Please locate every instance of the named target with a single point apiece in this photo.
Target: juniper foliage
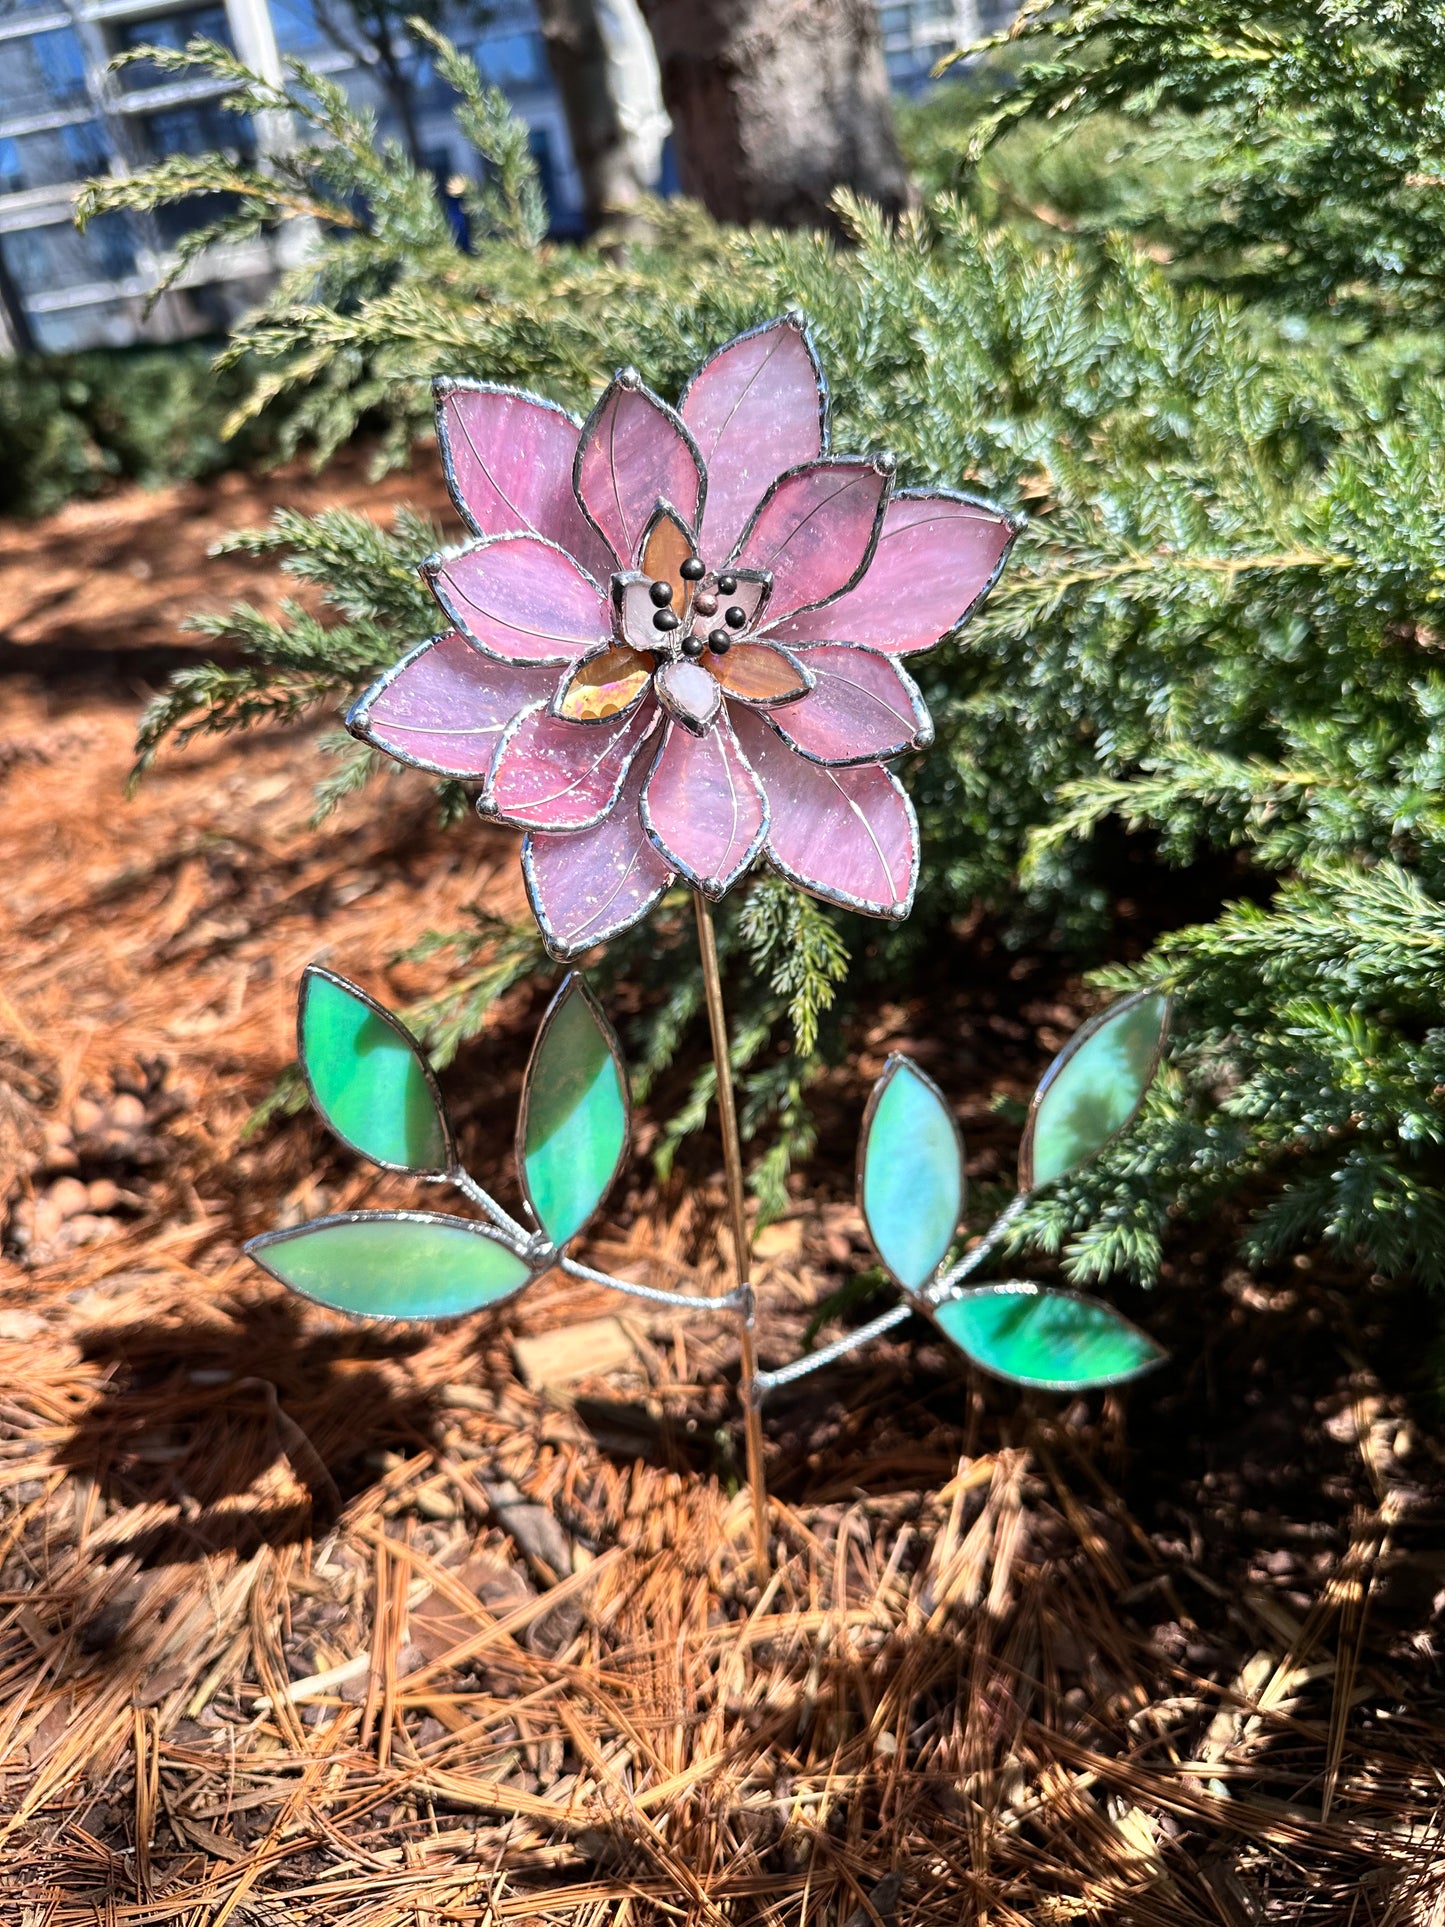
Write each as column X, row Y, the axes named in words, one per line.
column 1222, row 628
column 1314, row 132
column 75, row 425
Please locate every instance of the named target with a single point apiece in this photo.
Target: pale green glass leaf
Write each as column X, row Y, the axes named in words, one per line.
column 572, row 1131
column 1093, row 1088
column 1058, row 1341
column 368, row 1078
column 910, row 1172
column 393, row 1264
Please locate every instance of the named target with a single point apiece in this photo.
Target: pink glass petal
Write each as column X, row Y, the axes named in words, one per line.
column 634, row 453
column 444, row 706
column 847, row 835
column 755, row 408
column 555, row 775
column 521, row 600
column 703, row 807
column 936, row 558
column 814, row 530
column 862, row 708
column 508, row 459
column 586, row 885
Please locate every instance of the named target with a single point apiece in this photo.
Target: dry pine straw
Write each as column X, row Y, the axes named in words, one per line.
column 306, row 1624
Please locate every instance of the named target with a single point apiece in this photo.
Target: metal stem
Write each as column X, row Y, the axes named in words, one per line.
column 971, row 1260
column 733, row 1162
column 484, row 1201
column 686, row 1301
column 815, row 1361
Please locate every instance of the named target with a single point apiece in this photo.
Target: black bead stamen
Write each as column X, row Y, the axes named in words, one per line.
column 661, row 593
column 664, row 620
column 736, row 618
column 693, row 646
column 692, row 570
column 727, row 584
column 719, row 642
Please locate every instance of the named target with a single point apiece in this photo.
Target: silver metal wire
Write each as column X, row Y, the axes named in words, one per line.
column 939, row 1288
column 484, row 1201
column 815, row 1361
column 684, row 1301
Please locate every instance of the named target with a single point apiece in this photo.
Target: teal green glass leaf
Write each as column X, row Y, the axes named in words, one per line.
column 368, row 1078
column 393, row 1264
column 1058, row 1341
column 572, row 1131
column 910, row 1172
column 1093, row 1088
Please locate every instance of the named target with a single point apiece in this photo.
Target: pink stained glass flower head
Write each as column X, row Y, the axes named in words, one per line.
column 674, row 645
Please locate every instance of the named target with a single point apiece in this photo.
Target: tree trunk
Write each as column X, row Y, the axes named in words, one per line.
column 776, row 104
column 606, row 74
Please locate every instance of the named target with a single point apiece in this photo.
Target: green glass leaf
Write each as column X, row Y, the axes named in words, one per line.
column 368, row 1078
column 910, row 1172
column 1058, row 1341
column 572, row 1131
column 393, row 1264
column 1093, row 1088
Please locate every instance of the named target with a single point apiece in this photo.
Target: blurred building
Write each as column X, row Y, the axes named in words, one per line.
column 64, row 116
column 918, row 33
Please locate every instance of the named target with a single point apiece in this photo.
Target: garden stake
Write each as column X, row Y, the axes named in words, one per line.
column 674, row 653
column 733, row 1161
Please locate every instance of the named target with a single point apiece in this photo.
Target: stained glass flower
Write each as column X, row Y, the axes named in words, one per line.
column 675, row 643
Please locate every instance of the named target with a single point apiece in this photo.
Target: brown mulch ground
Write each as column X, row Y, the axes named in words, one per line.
column 302, row 1623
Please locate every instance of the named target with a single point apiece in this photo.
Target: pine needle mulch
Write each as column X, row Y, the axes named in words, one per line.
column 303, row 1624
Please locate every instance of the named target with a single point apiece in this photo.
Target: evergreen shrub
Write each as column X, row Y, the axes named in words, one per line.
column 1222, row 630
column 1295, row 149
column 75, row 425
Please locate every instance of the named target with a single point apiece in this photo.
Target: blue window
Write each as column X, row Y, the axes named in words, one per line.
column 510, row 59
column 17, row 10
column 87, row 151
column 45, row 260
column 111, row 244
column 60, row 155
column 198, row 127
column 40, row 73
column 564, row 218
column 62, row 65
column 297, row 29
column 540, row 149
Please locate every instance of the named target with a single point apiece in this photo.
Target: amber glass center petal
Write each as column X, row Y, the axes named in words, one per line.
column 665, row 548
column 756, row 673
column 605, row 684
